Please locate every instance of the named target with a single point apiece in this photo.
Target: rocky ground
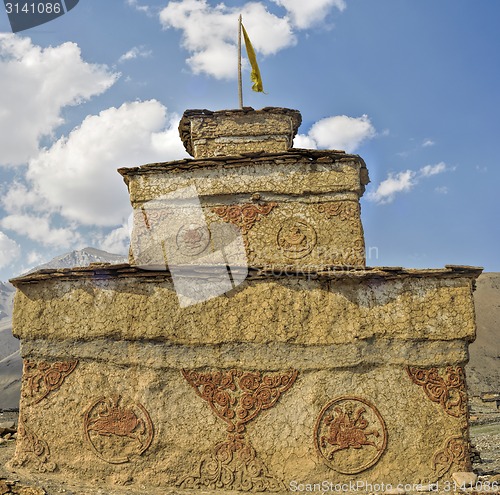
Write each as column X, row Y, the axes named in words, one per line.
column 485, row 438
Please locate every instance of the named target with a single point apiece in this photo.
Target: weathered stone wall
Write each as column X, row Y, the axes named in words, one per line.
column 300, row 208
column 257, row 389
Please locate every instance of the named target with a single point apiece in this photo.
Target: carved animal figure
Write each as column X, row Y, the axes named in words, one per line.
column 118, row 421
column 346, row 431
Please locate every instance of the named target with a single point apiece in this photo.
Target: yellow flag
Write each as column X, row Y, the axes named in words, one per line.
column 255, row 75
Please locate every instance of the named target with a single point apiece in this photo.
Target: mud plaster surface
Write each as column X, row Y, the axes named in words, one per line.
column 344, row 337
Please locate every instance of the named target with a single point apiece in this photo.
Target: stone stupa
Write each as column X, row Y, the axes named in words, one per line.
column 295, row 365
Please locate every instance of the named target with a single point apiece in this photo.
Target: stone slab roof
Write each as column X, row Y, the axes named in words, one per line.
column 106, row 270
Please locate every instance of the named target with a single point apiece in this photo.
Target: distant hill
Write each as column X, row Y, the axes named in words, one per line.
column 83, row 257
column 8, row 344
column 11, row 369
column 10, row 360
column 483, row 370
column 6, row 296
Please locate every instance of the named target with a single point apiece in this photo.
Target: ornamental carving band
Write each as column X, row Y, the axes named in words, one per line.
column 32, row 450
column 233, row 465
column 41, row 378
column 454, row 453
column 345, row 210
column 244, row 216
column 236, row 397
column 445, row 387
column 152, row 217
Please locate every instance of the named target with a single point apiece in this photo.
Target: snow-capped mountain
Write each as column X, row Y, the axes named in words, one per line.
column 82, row 257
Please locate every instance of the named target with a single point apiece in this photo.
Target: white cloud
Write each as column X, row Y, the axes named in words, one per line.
column 213, row 60
column 429, row 170
column 135, row 52
column 18, row 198
column 340, row 132
column 441, row 190
column 39, row 229
column 304, row 141
column 117, row 241
column 36, row 84
column 388, row 188
column 427, row 143
column 77, row 175
column 9, row 250
column 141, row 8
column 406, row 181
column 304, row 14
column 35, row 258
column 210, row 33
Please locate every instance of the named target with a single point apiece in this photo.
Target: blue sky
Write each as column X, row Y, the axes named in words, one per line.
column 411, row 86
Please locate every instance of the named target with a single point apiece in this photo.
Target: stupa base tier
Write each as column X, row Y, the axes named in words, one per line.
column 345, row 377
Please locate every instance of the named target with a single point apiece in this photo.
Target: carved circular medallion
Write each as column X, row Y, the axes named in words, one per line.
column 296, row 238
column 350, row 434
column 192, row 239
column 117, row 432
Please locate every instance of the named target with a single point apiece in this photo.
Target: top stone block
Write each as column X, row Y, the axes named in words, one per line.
column 207, row 134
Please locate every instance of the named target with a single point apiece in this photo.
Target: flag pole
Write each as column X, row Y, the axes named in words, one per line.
column 240, row 90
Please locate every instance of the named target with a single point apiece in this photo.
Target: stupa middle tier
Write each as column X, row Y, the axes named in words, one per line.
column 297, row 208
